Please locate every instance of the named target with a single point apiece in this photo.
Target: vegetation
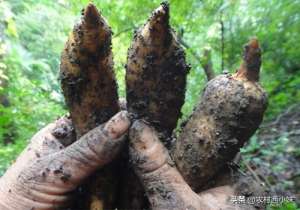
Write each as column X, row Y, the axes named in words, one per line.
column 33, row 33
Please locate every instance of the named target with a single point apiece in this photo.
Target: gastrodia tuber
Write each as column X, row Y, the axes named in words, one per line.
column 86, row 72
column 230, row 111
column 156, row 73
column 90, row 90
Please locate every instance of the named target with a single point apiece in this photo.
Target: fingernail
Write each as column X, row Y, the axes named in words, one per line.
column 136, row 129
column 63, row 128
column 117, row 125
column 141, row 135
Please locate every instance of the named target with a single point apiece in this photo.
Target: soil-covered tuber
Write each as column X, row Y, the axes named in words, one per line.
column 156, row 73
column 230, row 111
column 90, row 90
column 86, row 72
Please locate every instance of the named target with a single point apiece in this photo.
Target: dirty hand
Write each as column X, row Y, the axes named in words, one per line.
column 163, row 184
column 48, row 169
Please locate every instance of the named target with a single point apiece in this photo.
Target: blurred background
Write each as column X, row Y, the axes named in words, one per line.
column 33, row 33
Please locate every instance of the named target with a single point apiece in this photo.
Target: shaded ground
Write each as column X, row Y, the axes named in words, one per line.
column 273, row 155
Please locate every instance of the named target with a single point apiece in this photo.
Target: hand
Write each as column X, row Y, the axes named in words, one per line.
column 164, row 186
column 48, row 169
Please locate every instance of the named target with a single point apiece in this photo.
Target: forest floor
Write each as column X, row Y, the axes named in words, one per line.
column 273, row 154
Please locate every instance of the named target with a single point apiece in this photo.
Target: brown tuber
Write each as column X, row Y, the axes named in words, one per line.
column 86, row 72
column 230, row 111
column 90, row 90
column 156, row 73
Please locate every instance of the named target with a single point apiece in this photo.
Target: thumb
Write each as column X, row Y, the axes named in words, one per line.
column 93, row 150
column 49, row 178
column 163, row 184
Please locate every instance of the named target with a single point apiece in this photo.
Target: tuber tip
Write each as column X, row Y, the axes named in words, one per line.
column 161, row 14
column 91, row 14
column 165, row 6
column 253, row 43
column 158, row 27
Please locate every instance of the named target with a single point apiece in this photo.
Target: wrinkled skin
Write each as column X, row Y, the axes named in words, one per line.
column 47, row 171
